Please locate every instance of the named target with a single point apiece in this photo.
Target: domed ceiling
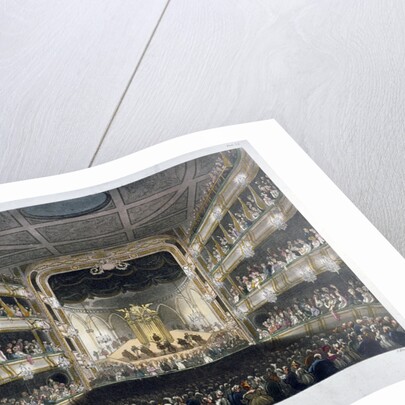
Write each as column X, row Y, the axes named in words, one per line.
column 154, row 205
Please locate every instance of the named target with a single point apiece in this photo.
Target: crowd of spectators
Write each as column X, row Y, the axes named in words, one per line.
column 243, row 216
column 24, row 349
column 14, row 310
column 219, row 345
column 322, row 300
column 45, row 394
column 276, row 259
column 267, row 372
column 221, row 169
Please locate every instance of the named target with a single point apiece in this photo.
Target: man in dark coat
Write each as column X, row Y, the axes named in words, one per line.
column 397, row 336
column 291, row 379
column 369, row 347
column 273, row 387
column 145, row 350
column 322, row 368
column 128, row 355
column 236, row 395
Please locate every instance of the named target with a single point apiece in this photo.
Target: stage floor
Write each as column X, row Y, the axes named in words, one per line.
column 119, row 358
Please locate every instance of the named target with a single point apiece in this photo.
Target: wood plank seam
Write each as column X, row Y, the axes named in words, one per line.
column 138, row 64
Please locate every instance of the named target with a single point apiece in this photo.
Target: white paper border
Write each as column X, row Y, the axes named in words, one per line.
column 349, row 233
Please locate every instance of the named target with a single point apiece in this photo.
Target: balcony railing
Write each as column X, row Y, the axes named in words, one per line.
column 11, row 370
column 11, row 324
column 314, row 263
column 328, row 321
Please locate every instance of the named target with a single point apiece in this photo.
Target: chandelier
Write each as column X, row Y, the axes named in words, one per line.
column 307, row 274
column 188, row 272
column 278, row 220
column 208, row 297
column 209, row 294
column 51, row 301
column 329, row 264
column 41, row 324
column 108, row 265
column 241, row 179
column 246, row 248
column 26, row 372
column 217, row 281
column 63, row 363
column 270, row 295
column 103, row 339
column 196, row 317
column 217, row 213
column 195, row 250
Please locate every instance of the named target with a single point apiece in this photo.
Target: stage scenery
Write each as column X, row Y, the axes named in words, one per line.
column 200, row 284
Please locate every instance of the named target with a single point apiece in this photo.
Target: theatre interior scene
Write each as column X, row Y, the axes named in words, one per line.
column 199, row 284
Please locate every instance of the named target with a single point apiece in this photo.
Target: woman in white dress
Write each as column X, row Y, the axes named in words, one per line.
column 304, row 249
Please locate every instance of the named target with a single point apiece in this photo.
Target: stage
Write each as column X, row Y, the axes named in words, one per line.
column 158, row 354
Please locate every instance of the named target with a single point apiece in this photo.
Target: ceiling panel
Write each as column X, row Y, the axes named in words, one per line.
column 147, row 207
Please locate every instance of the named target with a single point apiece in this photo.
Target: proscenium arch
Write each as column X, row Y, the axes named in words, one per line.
column 37, row 276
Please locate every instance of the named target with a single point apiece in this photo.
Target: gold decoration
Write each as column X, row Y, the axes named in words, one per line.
column 235, row 222
column 145, row 323
column 226, row 234
column 248, row 214
column 258, row 200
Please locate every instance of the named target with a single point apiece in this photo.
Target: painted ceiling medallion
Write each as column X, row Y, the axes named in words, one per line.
column 69, row 208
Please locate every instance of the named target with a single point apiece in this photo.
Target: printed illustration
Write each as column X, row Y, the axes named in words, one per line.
column 199, row 284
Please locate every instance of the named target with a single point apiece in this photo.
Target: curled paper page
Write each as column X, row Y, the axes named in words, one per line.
column 224, row 267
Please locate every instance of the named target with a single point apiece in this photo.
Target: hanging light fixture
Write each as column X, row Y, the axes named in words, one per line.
column 241, row 179
column 196, row 317
column 188, row 272
column 270, row 295
column 329, row 264
column 209, row 297
column 217, row 213
column 195, row 250
column 63, row 362
column 239, row 313
column 278, row 219
column 307, row 274
column 246, row 248
column 209, row 294
column 51, row 301
column 25, row 372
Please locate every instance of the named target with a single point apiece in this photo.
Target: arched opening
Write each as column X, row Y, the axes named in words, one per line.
column 170, row 317
column 59, row 377
column 121, row 328
column 86, row 334
column 259, row 319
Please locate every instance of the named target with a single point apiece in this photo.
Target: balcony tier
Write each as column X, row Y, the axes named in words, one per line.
column 10, row 370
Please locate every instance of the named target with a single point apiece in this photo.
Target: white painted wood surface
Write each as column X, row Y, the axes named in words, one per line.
column 330, row 72
column 64, row 66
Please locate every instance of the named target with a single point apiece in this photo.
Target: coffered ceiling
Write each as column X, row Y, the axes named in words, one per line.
column 151, row 206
